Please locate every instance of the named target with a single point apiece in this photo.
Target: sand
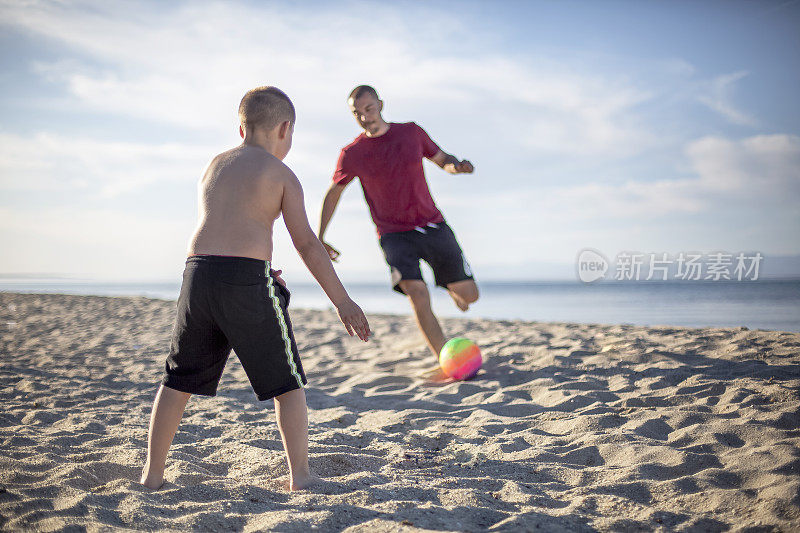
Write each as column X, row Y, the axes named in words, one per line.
column 568, row 427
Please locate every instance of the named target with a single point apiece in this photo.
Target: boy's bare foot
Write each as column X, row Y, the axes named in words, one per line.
column 152, row 484
column 303, row 482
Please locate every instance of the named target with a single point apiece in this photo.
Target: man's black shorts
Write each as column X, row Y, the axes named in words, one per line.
column 232, row 302
column 436, row 244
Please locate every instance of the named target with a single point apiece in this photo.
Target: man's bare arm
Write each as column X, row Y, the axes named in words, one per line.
column 328, row 207
column 316, row 258
column 451, row 164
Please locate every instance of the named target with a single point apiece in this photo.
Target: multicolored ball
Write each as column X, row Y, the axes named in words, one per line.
column 460, row 358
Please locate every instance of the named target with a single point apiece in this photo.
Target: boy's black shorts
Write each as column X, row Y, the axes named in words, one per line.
column 434, row 243
column 232, row 302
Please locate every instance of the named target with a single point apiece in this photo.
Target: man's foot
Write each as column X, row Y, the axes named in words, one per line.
column 461, row 304
column 303, row 482
column 435, row 373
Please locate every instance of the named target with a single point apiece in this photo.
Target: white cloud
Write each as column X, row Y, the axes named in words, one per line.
column 678, row 66
column 743, row 194
column 757, row 168
column 186, row 66
column 762, row 169
column 716, row 95
column 106, row 168
column 174, row 65
column 92, row 242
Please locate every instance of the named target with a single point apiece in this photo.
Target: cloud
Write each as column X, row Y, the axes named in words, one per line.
column 108, row 243
column 184, row 66
column 678, row 67
column 761, row 167
column 49, row 162
column 96, row 242
column 753, row 171
column 716, row 95
column 736, row 194
column 174, row 65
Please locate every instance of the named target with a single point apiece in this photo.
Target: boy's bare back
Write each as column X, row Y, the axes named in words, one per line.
column 240, row 196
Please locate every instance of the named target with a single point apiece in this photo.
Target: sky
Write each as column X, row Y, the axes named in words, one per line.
column 652, row 126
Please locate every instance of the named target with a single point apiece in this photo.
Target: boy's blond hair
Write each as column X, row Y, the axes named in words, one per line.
column 265, row 107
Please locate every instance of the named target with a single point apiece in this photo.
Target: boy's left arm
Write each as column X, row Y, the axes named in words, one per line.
column 277, row 274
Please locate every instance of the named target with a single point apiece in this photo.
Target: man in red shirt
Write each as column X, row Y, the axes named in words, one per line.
column 387, row 159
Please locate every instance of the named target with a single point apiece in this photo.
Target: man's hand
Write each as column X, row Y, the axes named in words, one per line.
column 459, row 167
column 353, row 318
column 451, row 164
column 332, row 252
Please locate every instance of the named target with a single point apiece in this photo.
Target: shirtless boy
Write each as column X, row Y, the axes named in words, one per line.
column 387, row 159
column 231, row 298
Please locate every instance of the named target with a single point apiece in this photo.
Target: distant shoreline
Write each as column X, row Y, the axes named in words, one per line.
column 762, row 305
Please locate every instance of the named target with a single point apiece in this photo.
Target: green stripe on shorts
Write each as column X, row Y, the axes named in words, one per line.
column 284, row 330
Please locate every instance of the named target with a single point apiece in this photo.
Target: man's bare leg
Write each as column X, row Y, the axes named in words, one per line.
column 166, row 415
column 463, row 292
column 292, row 415
column 417, row 292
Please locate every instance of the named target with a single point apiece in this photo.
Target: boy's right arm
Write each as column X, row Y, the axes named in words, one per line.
column 316, row 258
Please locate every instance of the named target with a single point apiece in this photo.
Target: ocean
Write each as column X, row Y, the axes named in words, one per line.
column 762, row 304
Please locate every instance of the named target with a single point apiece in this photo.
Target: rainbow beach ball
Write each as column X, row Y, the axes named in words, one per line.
column 460, row 358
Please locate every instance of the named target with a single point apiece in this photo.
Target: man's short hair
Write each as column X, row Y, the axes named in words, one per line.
column 265, row 107
column 361, row 90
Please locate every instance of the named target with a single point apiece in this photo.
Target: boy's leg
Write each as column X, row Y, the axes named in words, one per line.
column 417, row 292
column 167, row 412
column 292, row 415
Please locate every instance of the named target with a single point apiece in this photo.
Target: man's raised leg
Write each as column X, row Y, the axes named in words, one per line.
column 417, row 292
column 164, row 419
column 463, row 292
column 292, row 415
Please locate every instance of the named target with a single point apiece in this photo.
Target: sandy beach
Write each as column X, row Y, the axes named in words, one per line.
column 567, row 427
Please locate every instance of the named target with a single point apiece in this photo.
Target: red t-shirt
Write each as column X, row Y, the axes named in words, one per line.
column 390, row 170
